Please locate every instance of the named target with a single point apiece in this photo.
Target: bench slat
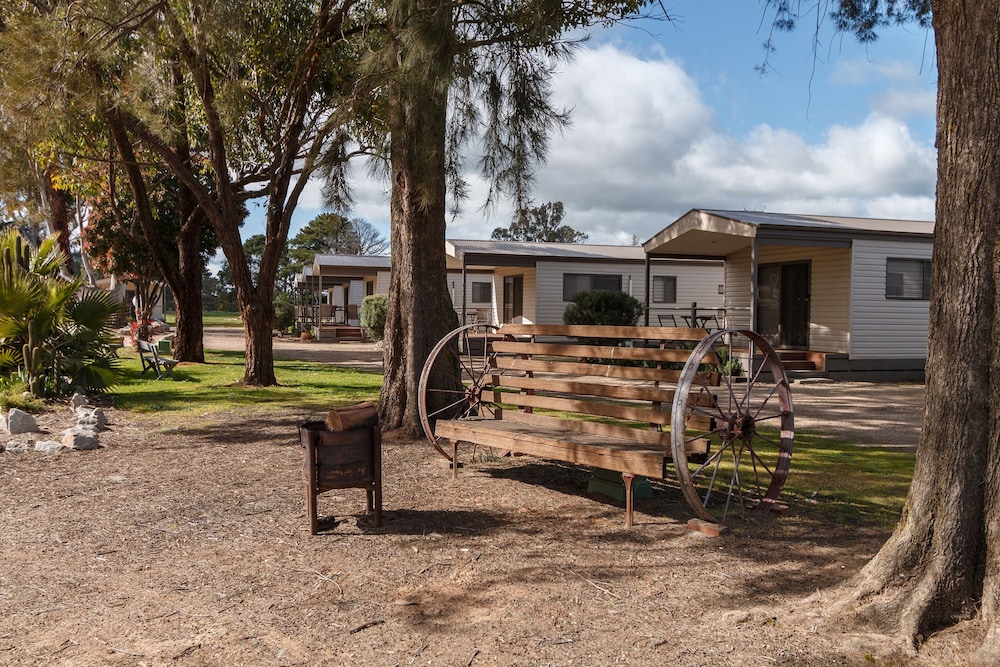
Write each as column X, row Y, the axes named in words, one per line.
column 594, row 331
column 652, row 354
column 582, row 386
column 645, row 436
column 596, row 408
column 580, row 368
column 580, row 448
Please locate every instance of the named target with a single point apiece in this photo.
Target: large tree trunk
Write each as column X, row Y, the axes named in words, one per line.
column 420, row 310
column 258, row 322
column 185, row 283
column 189, row 334
column 930, row 573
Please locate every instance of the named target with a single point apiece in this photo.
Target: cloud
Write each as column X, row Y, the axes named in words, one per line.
column 644, row 148
column 902, row 103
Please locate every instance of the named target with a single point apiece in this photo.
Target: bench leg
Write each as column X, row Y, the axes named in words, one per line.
column 628, row 479
column 454, row 459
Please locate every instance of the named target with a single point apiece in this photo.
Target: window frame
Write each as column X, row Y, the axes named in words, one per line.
column 482, row 285
column 896, row 289
column 591, row 279
column 665, row 280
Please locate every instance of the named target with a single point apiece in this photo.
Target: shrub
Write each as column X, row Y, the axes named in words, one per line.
column 15, row 394
column 374, row 310
column 55, row 335
column 284, row 313
column 603, row 307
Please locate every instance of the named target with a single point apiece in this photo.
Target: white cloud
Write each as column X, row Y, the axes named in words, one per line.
column 644, row 148
column 902, row 103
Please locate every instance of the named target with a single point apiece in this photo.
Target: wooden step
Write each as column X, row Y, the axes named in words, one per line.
column 798, row 365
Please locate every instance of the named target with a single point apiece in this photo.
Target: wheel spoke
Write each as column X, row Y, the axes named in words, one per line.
column 757, row 458
column 713, row 457
column 711, row 483
column 767, row 398
column 448, row 407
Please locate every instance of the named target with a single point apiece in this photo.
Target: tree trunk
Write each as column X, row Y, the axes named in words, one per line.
column 258, row 322
column 420, row 309
column 189, row 333
column 930, row 573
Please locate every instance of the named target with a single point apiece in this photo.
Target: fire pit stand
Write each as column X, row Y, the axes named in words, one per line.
column 342, row 460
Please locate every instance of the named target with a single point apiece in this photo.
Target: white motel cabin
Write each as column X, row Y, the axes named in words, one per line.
column 848, row 295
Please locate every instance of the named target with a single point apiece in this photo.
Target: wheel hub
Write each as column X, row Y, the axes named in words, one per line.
column 741, row 427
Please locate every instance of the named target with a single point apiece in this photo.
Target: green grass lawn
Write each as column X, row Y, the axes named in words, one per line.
column 212, row 386
column 842, row 482
column 212, row 318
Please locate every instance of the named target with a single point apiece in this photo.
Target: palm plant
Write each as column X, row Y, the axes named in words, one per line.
column 54, row 334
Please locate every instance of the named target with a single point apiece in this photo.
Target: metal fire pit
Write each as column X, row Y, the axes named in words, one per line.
column 341, row 460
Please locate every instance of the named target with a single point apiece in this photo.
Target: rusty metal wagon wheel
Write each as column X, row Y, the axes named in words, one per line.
column 747, row 423
column 456, row 382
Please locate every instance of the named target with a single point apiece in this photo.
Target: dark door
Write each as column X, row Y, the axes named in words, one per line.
column 783, row 304
column 513, row 297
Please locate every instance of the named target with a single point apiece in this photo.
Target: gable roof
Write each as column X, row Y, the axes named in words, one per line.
column 717, row 233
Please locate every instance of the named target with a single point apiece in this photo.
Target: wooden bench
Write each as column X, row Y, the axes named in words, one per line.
column 626, row 399
column 151, row 360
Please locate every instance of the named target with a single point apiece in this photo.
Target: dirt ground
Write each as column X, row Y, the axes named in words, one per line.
column 188, row 544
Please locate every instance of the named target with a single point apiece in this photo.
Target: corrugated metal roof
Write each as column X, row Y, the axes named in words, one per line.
column 359, row 261
column 538, row 250
column 828, row 222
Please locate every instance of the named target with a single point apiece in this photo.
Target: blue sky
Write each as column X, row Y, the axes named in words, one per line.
column 669, row 117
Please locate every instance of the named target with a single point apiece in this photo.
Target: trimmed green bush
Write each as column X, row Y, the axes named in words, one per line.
column 374, row 310
column 284, row 312
column 603, row 307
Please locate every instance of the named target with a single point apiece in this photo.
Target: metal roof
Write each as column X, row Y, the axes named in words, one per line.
column 717, row 233
column 353, row 261
column 526, row 253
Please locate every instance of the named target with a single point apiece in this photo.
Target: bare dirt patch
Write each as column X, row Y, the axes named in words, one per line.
column 187, row 544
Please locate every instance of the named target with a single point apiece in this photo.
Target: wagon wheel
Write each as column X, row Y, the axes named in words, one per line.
column 456, row 382
column 747, row 424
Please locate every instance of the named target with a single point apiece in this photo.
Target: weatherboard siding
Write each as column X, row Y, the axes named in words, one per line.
column 382, row 282
column 455, row 291
column 695, row 283
column 738, row 294
column 886, row 328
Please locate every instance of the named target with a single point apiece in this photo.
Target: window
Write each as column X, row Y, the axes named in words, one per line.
column 482, row 292
column 907, row 278
column 574, row 283
column 664, row 289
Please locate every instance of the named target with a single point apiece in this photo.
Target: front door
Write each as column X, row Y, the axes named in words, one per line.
column 783, row 304
column 513, row 297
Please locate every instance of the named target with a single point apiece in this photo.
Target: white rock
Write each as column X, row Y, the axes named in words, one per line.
column 80, row 438
column 15, row 447
column 19, row 421
column 49, row 446
column 78, row 401
column 91, row 418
